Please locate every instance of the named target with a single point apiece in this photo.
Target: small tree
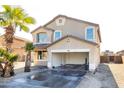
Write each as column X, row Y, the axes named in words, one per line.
column 8, row 59
column 28, row 48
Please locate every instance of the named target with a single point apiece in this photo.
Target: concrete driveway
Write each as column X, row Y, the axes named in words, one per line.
column 102, row 78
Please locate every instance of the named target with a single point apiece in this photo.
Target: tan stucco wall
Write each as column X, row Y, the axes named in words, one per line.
column 37, row 61
column 76, row 44
column 35, row 58
column 74, row 28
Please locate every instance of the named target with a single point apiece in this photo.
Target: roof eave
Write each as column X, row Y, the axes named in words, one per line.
column 71, row 19
column 49, row 29
column 72, row 37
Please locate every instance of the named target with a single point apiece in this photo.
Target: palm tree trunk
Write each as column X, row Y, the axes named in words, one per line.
column 1, row 69
column 28, row 62
column 8, row 68
column 9, row 33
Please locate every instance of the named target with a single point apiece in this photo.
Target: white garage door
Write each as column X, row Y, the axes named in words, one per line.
column 75, row 58
column 69, row 58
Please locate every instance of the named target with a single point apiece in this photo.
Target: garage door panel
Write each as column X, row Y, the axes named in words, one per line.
column 76, row 58
column 56, row 59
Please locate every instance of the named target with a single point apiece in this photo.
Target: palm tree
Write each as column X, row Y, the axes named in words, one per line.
column 28, row 48
column 11, row 19
column 8, row 59
column 1, row 67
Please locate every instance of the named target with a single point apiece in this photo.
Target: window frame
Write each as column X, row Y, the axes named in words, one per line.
column 60, row 34
column 38, row 39
column 42, row 56
column 93, row 33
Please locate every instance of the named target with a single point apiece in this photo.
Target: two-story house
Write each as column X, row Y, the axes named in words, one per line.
column 66, row 40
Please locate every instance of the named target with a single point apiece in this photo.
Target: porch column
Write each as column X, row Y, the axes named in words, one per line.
column 35, row 58
column 92, row 65
column 49, row 63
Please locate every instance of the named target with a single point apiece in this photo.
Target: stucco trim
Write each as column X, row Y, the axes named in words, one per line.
column 83, row 40
column 49, row 29
column 40, row 60
column 69, row 50
column 99, row 34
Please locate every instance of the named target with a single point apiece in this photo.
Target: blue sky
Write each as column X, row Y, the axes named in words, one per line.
column 107, row 13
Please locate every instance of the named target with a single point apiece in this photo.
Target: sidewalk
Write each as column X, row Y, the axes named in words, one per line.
column 18, row 65
column 118, row 73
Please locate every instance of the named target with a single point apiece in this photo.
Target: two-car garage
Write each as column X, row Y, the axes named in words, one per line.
column 75, row 57
column 71, row 50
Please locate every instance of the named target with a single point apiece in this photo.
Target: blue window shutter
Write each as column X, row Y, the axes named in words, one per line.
column 57, row 35
column 37, row 38
column 89, row 34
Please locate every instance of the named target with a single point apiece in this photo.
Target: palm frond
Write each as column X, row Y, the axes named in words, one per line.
column 29, row 20
column 29, row 46
column 7, row 8
column 24, row 28
column 6, row 56
column 17, row 17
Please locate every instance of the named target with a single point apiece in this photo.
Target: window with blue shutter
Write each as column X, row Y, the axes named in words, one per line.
column 57, row 35
column 89, row 33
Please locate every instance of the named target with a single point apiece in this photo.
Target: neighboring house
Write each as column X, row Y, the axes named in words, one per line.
column 17, row 46
column 110, row 57
column 107, row 53
column 120, row 53
column 66, row 40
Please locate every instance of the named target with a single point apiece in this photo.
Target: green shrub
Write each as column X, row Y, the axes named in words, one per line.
column 7, row 57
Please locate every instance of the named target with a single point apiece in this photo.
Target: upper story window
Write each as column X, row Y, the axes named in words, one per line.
column 89, row 33
column 42, row 37
column 57, row 35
